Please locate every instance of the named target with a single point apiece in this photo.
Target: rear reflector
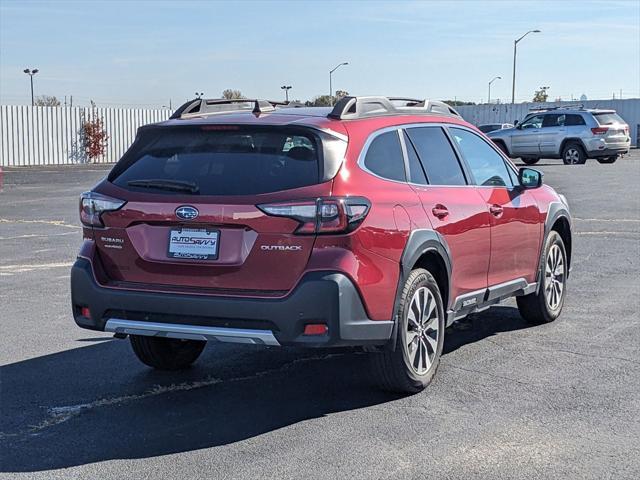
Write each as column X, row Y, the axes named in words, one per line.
column 316, row 329
column 85, row 312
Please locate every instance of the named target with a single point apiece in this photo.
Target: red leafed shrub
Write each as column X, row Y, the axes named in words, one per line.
column 94, row 138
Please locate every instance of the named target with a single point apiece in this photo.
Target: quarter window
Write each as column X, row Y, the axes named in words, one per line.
column 436, row 154
column 384, row 157
column 487, row 166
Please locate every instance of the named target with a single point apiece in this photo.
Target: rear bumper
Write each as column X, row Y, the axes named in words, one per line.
column 320, row 297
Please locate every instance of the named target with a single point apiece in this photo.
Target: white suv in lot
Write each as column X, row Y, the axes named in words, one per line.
column 572, row 134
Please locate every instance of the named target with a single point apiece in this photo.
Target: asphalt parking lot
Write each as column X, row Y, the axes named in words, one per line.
column 509, row 400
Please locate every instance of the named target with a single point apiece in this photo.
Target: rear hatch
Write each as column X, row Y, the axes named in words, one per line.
column 613, row 128
column 191, row 220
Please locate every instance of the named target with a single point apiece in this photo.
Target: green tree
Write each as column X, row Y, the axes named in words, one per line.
column 230, row 94
column 46, row 101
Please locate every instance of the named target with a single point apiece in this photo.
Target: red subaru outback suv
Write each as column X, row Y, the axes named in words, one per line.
column 376, row 223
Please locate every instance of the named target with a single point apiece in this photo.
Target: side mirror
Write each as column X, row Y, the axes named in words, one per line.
column 515, row 123
column 529, row 178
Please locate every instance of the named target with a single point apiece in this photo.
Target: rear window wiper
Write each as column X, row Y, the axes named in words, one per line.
column 172, row 185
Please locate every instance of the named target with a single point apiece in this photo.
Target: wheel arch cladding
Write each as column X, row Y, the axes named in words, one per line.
column 562, row 226
column 572, row 140
column 427, row 249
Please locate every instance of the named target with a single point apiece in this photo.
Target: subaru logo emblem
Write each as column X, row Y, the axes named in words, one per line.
column 186, row 212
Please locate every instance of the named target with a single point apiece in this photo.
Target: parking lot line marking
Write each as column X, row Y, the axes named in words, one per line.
column 606, row 233
column 11, row 269
column 607, row 220
column 35, row 235
column 57, row 223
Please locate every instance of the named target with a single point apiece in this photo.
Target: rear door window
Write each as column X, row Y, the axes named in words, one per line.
column 219, row 160
column 573, row 120
column 436, row 154
column 487, row 165
column 384, row 157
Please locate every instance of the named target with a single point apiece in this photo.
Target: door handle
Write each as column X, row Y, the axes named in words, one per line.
column 496, row 210
column 440, row 211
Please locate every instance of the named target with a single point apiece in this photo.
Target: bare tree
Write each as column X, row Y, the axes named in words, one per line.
column 232, row 94
column 46, row 101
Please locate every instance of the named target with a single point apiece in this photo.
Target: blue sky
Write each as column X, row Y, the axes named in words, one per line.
column 143, row 53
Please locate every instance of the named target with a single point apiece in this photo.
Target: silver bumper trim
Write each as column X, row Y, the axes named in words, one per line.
column 191, row 332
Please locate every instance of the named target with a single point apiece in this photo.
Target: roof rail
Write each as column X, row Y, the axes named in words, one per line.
column 351, row 108
column 575, row 106
column 210, row 106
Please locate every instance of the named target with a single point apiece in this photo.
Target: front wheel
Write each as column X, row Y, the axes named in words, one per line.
column 545, row 305
column 166, row 353
column 413, row 362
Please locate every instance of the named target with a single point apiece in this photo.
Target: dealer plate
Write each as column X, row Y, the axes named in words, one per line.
column 193, row 243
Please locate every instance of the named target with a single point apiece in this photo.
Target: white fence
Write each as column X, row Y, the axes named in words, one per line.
column 50, row 135
column 506, row 113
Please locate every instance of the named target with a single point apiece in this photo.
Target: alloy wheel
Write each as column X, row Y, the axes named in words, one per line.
column 422, row 331
column 572, row 156
column 554, row 277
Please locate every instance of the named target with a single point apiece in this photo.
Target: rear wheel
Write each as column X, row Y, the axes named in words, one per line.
column 573, row 154
column 529, row 161
column 611, row 159
column 411, row 365
column 546, row 304
column 166, row 353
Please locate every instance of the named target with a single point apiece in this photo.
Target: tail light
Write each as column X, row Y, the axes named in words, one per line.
column 322, row 215
column 626, row 130
column 93, row 205
column 599, row 130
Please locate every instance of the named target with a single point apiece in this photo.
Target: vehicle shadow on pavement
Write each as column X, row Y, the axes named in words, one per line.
column 97, row 403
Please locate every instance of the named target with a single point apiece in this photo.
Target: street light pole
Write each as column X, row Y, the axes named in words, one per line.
column 493, row 80
column 515, row 47
column 331, row 82
column 286, row 89
column 31, row 73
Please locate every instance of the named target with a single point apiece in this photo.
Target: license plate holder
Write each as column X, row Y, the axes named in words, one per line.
column 193, row 243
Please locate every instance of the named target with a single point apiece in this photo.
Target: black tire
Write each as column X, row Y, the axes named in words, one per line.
column 611, row 159
column 166, row 353
column 573, row 154
column 392, row 368
column 529, row 161
column 536, row 307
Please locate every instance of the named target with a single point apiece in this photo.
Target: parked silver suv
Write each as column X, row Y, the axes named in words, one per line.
column 573, row 134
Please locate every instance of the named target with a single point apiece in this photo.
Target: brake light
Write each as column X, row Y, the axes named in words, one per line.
column 322, row 215
column 93, row 205
column 599, row 130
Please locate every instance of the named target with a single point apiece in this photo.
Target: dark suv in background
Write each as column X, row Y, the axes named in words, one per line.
column 376, row 224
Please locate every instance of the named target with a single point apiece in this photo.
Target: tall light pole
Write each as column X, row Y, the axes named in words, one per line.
column 489, row 95
column 286, row 89
column 31, row 73
column 331, row 81
column 515, row 46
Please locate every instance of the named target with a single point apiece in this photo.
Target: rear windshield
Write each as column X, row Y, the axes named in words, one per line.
column 219, row 160
column 608, row 118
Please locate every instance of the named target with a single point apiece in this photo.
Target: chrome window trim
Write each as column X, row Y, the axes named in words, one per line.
column 471, row 182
